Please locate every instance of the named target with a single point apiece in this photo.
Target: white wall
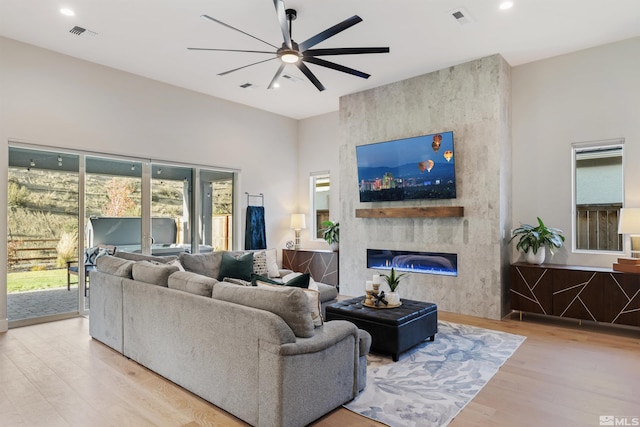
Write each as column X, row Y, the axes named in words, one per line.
column 56, row 100
column 318, row 148
column 584, row 96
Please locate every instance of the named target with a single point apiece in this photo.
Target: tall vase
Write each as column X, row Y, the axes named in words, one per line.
column 537, row 258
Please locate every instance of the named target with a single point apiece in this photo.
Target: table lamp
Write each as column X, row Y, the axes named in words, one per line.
column 298, row 223
column 629, row 223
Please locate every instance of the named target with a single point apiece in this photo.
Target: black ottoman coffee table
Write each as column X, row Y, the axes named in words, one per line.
column 393, row 330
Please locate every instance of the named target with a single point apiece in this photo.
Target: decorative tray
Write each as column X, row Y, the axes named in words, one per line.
column 364, row 303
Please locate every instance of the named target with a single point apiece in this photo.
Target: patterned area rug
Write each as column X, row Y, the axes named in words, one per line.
column 430, row 384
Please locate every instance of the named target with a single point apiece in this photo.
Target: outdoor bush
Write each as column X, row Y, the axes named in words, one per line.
column 67, row 248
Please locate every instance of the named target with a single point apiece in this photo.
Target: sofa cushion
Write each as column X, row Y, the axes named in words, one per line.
column 313, row 298
column 154, row 273
column 290, row 303
column 236, row 281
column 301, row 280
column 133, row 256
column 114, row 266
column 237, row 267
column 205, row 264
column 193, row 283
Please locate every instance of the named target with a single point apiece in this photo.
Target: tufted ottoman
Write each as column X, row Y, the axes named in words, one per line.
column 393, row 330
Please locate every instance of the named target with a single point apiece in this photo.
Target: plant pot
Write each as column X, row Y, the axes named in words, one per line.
column 393, row 298
column 334, row 246
column 537, row 258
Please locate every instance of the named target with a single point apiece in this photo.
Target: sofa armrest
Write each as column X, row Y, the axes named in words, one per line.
column 304, row 380
column 329, row 334
column 284, row 272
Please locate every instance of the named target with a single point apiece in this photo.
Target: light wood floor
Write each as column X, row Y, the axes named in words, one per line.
column 564, row 374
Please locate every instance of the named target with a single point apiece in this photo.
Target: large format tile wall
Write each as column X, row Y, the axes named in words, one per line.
column 472, row 100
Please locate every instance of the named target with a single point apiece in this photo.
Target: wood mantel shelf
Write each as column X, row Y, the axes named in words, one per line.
column 417, row 212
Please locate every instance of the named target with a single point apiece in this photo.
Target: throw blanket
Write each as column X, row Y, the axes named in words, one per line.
column 254, row 235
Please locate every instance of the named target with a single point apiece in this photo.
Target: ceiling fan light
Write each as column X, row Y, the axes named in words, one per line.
column 290, row 57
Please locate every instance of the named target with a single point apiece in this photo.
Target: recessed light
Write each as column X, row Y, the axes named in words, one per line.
column 506, row 5
column 67, row 12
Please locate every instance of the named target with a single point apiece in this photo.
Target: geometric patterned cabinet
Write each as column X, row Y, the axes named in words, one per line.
column 587, row 293
column 322, row 265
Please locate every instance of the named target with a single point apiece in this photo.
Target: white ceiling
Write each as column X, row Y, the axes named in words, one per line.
column 150, row 38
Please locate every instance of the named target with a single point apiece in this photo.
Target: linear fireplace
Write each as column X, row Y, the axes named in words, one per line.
column 415, row 262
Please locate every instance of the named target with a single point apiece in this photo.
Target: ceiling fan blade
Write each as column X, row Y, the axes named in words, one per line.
column 245, row 66
column 307, row 72
column 282, row 18
column 235, row 29
column 336, row 67
column 230, row 50
column 345, row 51
column 276, row 76
column 329, row 32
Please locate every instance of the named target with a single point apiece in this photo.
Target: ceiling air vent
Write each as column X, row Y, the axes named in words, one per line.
column 291, row 78
column 246, row 86
column 461, row 16
column 79, row 31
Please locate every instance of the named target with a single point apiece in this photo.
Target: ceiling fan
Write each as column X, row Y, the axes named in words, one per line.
column 298, row 53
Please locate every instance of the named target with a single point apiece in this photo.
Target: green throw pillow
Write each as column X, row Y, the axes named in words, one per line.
column 237, row 268
column 301, row 281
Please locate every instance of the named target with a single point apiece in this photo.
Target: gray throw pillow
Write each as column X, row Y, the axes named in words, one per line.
column 205, row 264
column 154, row 273
column 115, row 266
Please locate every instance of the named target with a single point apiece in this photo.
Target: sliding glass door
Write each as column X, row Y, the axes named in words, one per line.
column 127, row 205
column 42, row 241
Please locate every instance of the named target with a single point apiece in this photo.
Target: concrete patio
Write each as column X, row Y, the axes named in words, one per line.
column 27, row 305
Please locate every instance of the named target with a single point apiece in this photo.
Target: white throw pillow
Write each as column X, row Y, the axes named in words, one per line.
column 272, row 263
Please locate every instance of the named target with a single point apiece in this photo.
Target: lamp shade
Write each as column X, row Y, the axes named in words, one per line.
column 298, row 222
column 629, row 222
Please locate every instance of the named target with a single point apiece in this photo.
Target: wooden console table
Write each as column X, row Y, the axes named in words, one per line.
column 584, row 293
column 322, row 265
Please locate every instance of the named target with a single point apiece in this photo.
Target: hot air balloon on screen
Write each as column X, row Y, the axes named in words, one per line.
column 429, row 165
column 448, row 155
column 437, row 140
column 422, row 166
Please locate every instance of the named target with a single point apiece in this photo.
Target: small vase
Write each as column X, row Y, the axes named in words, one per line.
column 334, row 246
column 537, row 258
column 393, row 298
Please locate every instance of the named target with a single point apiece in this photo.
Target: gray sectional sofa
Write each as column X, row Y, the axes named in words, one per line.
column 252, row 351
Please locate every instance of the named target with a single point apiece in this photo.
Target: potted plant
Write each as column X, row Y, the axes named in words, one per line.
column 393, row 280
column 532, row 241
column 331, row 233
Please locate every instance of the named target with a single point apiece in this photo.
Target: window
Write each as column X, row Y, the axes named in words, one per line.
column 319, row 202
column 598, row 196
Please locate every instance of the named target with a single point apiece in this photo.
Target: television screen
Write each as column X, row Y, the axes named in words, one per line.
column 421, row 167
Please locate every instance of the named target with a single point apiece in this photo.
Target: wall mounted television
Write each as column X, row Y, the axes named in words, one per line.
column 420, row 167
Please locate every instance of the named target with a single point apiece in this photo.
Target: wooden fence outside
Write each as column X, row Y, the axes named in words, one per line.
column 32, row 251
